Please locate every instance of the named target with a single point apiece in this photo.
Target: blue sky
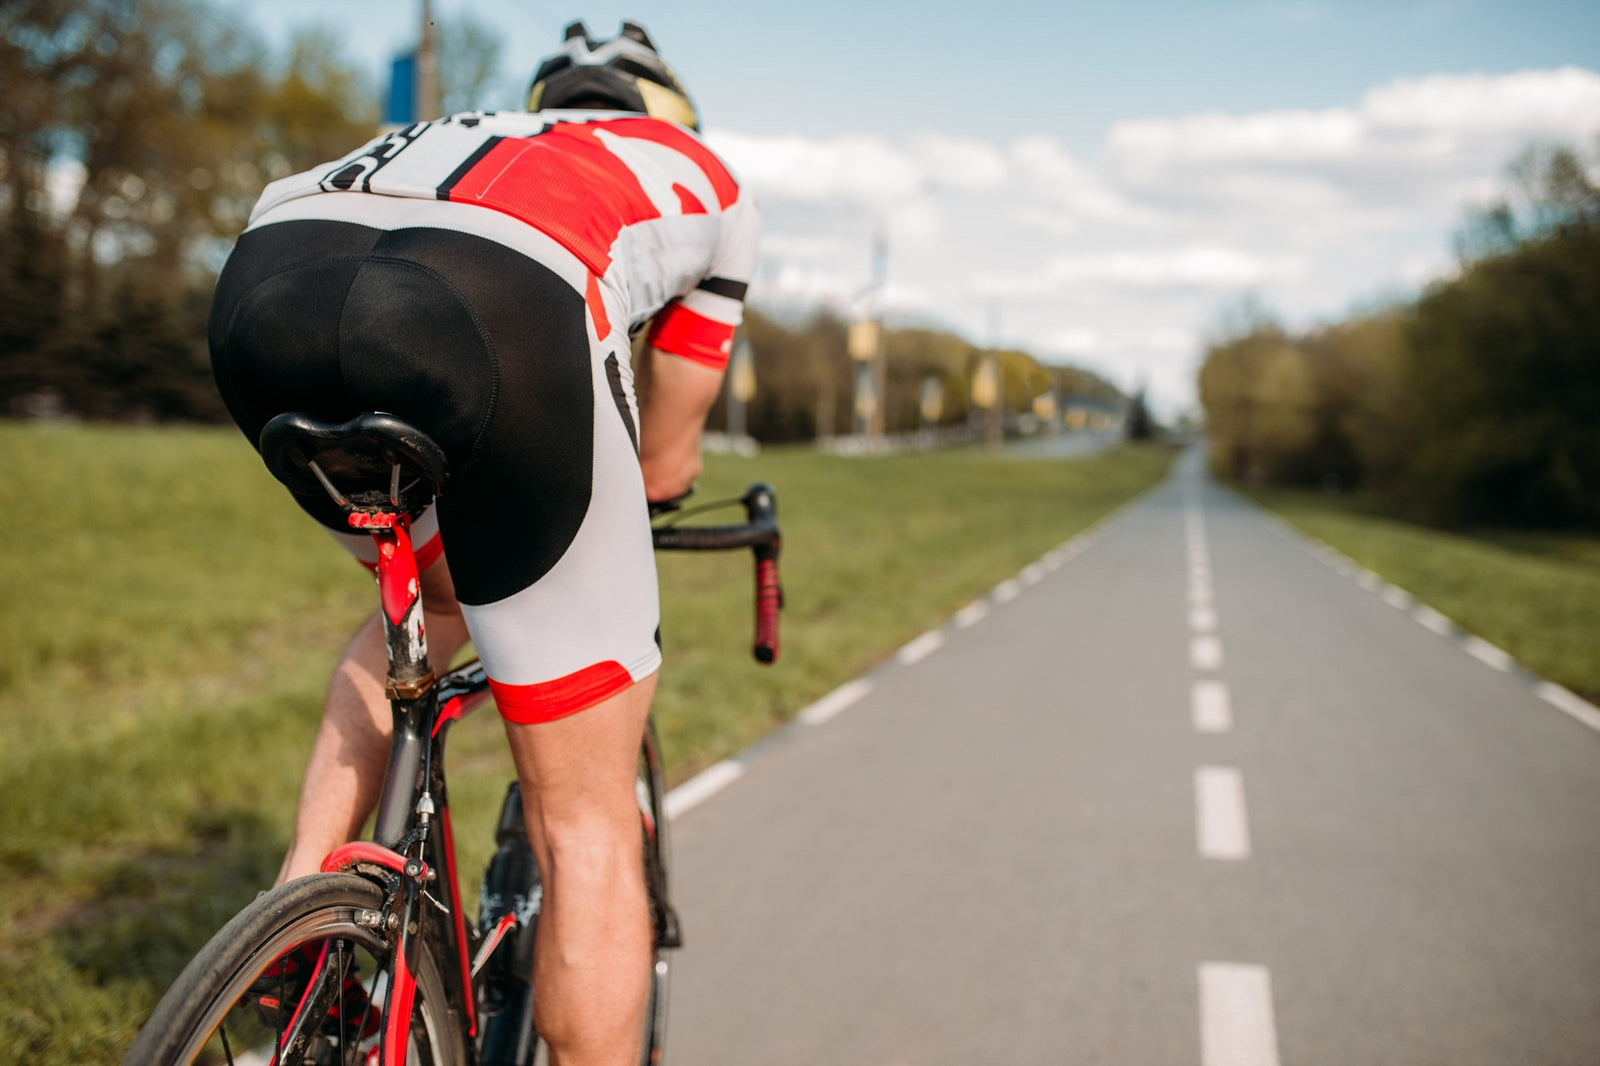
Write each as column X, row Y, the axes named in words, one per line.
column 1001, row 70
column 1109, row 178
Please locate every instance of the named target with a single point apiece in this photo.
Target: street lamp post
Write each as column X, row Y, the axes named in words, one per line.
column 429, row 104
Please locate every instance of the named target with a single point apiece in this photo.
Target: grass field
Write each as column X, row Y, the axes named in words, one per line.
column 1535, row 595
column 170, row 619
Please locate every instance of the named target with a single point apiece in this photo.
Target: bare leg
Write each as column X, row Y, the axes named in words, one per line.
column 591, row 958
column 351, row 752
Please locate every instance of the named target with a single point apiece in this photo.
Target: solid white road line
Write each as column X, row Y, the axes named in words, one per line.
column 829, row 706
column 1210, row 707
column 1487, row 654
column 1222, row 829
column 1431, row 619
column 1237, row 1027
column 1031, row 574
column 1006, row 591
column 1205, row 652
column 972, row 614
column 1565, row 700
column 920, row 648
column 1368, row 580
column 1199, row 593
column 701, row 787
column 1202, row 619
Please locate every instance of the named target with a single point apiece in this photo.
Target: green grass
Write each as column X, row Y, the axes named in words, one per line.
column 170, row 620
column 1535, row 595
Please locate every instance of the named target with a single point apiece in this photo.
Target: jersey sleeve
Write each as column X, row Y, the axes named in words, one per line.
column 699, row 326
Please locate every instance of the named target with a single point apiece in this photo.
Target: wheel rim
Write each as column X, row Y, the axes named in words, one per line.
column 229, row 1031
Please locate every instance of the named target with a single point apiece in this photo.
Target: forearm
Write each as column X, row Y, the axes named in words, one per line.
column 675, row 395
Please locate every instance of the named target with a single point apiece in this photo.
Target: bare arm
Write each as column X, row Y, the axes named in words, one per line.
column 675, row 396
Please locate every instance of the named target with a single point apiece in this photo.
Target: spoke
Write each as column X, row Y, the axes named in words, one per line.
column 226, row 1050
column 338, row 947
column 280, row 1016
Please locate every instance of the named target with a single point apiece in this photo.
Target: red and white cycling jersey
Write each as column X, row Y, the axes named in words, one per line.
column 638, row 218
column 651, row 212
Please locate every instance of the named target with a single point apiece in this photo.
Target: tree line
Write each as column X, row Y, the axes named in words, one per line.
column 1478, row 402
column 135, row 136
column 806, row 379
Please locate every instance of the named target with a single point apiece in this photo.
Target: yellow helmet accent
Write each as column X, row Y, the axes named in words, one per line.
column 662, row 102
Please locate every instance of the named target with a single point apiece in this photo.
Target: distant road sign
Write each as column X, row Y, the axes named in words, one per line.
column 402, row 109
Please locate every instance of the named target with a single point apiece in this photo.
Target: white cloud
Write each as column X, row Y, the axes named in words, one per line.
column 1124, row 256
column 1560, row 102
column 1277, row 136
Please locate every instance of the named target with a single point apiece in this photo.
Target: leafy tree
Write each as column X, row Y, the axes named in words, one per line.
column 142, row 133
column 1479, row 403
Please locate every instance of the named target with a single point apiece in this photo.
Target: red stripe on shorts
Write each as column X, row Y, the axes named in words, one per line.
column 549, row 700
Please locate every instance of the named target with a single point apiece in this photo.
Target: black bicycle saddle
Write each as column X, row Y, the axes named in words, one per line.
column 375, row 461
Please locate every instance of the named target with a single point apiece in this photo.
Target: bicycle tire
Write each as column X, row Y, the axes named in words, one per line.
column 310, row 909
column 658, row 870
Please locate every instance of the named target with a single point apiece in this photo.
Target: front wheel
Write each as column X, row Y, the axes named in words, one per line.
column 232, row 1003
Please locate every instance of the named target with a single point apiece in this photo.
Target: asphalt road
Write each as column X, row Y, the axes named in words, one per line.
column 1188, row 797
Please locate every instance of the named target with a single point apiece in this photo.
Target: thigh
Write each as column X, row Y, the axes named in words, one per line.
column 578, row 772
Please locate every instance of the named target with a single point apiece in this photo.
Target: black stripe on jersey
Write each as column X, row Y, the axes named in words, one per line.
column 733, row 290
column 467, row 164
column 614, row 376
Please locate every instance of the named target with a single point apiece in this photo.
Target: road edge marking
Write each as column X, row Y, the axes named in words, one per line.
column 1435, row 621
column 834, row 703
column 701, row 787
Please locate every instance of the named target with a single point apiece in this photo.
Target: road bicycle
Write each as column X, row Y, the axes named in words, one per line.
column 373, row 962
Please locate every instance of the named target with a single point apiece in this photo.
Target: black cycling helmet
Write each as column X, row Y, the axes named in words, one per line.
column 624, row 74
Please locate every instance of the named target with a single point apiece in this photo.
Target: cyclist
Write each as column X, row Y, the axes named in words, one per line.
column 480, row 277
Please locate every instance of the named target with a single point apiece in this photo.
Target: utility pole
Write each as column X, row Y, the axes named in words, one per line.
column 429, row 102
column 996, row 430
column 741, row 387
column 880, row 361
column 865, row 343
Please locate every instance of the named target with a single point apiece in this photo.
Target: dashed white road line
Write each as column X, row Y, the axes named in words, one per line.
column 920, row 648
column 972, row 614
column 1396, row 597
column 1487, row 654
column 1222, row 829
column 1210, row 707
column 1205, row 652
column 1237, row 1026
column 1431, row 619
column 1202, row 619
column 1571, row 703
column 829, row 706
column 701, row 787
column 1199, row 593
